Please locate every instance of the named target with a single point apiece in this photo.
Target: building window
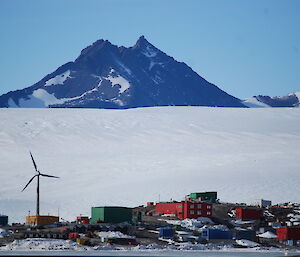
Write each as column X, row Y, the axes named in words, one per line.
column 208, row 207
column 208, row 213
column 180, row 212
column 199, row 212
column 199, row 205
column 180, row 206
column 192, row 206
column 192, row 212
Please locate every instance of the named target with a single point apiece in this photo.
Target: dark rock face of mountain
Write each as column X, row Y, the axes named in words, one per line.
column 108, row 76
column 290, row 100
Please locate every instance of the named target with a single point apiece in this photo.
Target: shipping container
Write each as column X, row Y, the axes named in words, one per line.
column 245, row 234
column 111, row 214
column 166, row 232
column 209, row 233
column 123, row 241
column 74, row 235
column 83, row 241
column 41, row 220
column 288, row 233
column 3, row 220
column 248, row 214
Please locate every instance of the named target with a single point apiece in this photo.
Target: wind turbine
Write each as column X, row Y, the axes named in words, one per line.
column 38, row 184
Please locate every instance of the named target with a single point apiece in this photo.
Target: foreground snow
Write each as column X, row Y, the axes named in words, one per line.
column 38, row 244
column 41, row 244
column 4, row 233
column 129, row 157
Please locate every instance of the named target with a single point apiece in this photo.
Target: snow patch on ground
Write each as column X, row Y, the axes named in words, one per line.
column 199, row 224
column 37, row 244
column 59, row 79
column 247, row 243
column 191, row 224
column 267, row 234
column 4, row 233
column 112, row 234
column 41, row 244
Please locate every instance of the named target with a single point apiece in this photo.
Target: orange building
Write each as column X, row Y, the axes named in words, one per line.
column 41, row 220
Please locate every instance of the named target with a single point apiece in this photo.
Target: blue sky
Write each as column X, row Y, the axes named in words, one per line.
column 244, row 47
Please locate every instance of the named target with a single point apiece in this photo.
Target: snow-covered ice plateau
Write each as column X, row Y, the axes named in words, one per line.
column 129, row 157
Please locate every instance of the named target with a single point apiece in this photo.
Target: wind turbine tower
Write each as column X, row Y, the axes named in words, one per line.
column 38, row 217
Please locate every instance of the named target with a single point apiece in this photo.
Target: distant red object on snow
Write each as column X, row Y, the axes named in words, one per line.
column 248, row 214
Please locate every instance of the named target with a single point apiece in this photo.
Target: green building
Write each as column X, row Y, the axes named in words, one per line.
column 111, row 214
column 205, row 196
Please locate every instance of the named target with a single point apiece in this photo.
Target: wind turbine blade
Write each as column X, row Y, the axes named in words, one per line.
column 29, row 182
column 34, row 164
column 45, row 175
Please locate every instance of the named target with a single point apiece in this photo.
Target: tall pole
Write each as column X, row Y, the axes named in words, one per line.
column 38, row 197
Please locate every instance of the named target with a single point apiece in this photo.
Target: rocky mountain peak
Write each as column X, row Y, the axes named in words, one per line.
column 107, row 76
column 142, row 42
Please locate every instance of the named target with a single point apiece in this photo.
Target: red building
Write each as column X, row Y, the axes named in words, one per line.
column 288, row 233
column 185, row 209
column 248, row 214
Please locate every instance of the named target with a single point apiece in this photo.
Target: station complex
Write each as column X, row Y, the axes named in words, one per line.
column 213, row 220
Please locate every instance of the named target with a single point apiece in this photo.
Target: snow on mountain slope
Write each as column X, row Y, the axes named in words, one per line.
column 290, row 100
column 40, row 98
column 129, row 157
column 59, row 79
column 109, row 76
column 254, row 103
column 297, row 94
